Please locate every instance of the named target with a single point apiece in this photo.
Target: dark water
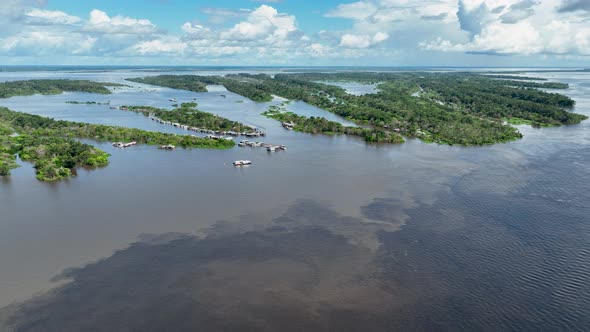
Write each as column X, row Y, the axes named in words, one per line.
column 331, row 235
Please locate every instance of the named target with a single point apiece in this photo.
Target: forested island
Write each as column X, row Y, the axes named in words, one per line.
column 52, row 147
column 182, row 82
column 239, row 84
column 320, row 125
column 187, row 114
column 52, row 87
column 446, row 108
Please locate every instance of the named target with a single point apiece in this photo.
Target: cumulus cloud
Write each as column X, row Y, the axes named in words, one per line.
column 518, row 11
column 262, row 33
column 160, row 46
column 36, row 15
column 100, row 22
column 195, row 31
column 263, row 23
column 388, row 24
column 377, row 28
column 516, row 27
column 362, row 41
column 473, row 19
column 493, row 38
column 42, row 43
column 355, row 10
column 574, row 5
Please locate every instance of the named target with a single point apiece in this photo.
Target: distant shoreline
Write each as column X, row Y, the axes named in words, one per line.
column 20, row 68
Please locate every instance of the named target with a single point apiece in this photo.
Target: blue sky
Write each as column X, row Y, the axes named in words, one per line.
column 296, row 32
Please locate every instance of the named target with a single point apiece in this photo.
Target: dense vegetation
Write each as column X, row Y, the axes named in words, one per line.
column 238, row 84
column 182, row 82
column 449, row 108
column 52, row 87
column 320, row 125
column 188, row 115
column 51, row 145
column 515, row 77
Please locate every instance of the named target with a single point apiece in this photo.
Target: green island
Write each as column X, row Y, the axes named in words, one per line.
column 188, row 115
column 182, row 82
column 445, row 108
column 55, row 152
column 53, row 87
column 320, row 125
column 239, row 84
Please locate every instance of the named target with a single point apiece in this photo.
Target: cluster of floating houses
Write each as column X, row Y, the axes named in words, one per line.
column 217, row 135
column 288, row 125
column 212, row 134
column 124, row 145
column 268, row 147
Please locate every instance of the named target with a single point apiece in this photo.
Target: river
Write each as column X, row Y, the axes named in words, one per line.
column 333, row 234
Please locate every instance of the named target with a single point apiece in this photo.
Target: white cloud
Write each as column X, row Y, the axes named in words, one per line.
column 196, row 31
column 379, row 29
column 318, row 50
column 100, row 22
column 522, row 37
column 50, row 16
column 523, row 27
column 380, row 37
column 263, row 23
column 42, row 43
column 362, row 41
column 356, row 10
column 264, row 33
column 160, row 46
column 517, row 27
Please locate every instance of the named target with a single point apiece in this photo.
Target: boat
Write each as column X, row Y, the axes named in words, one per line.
column 242, row 162
column 282, row 147
column 124, row 145
column 271, row 148
column 168, row 147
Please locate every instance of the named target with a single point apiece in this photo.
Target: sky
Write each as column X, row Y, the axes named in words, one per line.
column 502, row 33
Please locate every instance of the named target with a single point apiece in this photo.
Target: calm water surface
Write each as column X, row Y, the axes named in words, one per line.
column 332, row 234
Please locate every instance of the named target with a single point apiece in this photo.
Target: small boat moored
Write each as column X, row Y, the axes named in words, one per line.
column 242, row 162
column 124, row 145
